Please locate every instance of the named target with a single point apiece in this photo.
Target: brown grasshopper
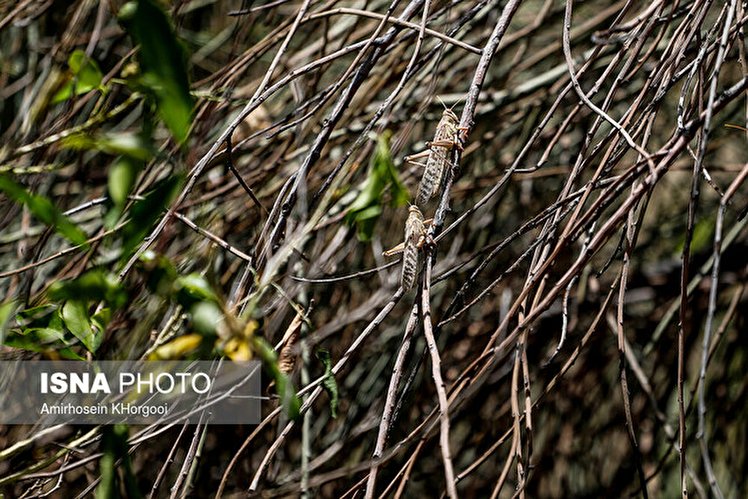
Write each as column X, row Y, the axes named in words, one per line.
column 445, row 138
column 415, row 238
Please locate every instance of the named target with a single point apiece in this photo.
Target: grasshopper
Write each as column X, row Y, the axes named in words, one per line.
column 415, row 238
column 445, row 138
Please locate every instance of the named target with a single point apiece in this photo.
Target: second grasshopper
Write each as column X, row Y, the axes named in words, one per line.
column 415, row 237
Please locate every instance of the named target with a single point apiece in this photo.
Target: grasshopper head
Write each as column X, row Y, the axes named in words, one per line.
column 448, row 113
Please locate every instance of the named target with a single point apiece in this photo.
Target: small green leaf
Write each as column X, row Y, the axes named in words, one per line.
column 100, row 319
column 43, row 209
column 88, row 76
column 46, row 335
column 85, row 76
column 121, row 180
column 702, row 235
column 128, row 144
column 6, row 312
column 193, row 288
column 64, row 93
column 206, row 316
column 75, row 316
column 131, row 145
column 163, row 63
column 701, row 238
column 329, row 383
column 77, row 60
column 94, row 285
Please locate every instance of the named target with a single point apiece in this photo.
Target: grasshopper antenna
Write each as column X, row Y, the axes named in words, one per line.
column 450, row 108
column 443, row 104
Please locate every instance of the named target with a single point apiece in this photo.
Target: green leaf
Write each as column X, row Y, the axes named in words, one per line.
column 283, row 384
column 365, row 210
column 43, row 209
column 328, row 382
column 701, row 238
column 45, row 335
column 163, row 63
column 36, row 316
column 121, row 180
column 41, row 340
column 85, row 76
column 206, row 316
column 366, row 221
column 94, row 285
column 131, row 145
column 75, row 316
column 100, row 319
column 6, row 312
column 193, row 288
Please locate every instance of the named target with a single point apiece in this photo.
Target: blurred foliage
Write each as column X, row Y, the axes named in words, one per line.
column 116, row 457
column 43, row 209
column 163, row 63
column 367, row 207
column 145, row 212
column 84, row 76
column 94, row 285
column 127, row 144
